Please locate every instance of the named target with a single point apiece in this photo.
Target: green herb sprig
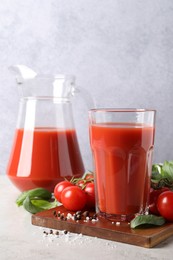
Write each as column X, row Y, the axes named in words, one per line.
column 162, row 175
column 36, row 200
column 144, row 221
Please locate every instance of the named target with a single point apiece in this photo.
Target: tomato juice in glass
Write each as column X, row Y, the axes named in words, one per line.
column 122, row 146
column 42, row 157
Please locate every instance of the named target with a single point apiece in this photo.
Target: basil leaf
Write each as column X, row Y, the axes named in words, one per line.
column 44, row 204
column 167, row 170
column 34, row 193
column 21, row 198
column 155, row 177
column 162, row 175
column 34, row 206
column 27, row 204
column 157, row 168
column 147, row 221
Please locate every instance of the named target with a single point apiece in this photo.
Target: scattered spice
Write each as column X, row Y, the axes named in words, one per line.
column 61, row 216
column 95, row 216
column 86, row 213
column 79, row 212
column 78, row 215
column 84, row 216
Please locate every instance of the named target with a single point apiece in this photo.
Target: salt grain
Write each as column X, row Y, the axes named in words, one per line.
column 94, row 220
column 69, row 216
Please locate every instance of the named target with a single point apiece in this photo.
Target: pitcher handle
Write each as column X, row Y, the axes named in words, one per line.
column 89, row 100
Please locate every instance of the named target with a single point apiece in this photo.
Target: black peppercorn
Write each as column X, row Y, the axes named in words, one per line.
column 62, row 217
column 86, row 213
column 51, row 231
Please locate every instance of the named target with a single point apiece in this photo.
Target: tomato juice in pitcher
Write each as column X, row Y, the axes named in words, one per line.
column 45, row 148
column 51, row 156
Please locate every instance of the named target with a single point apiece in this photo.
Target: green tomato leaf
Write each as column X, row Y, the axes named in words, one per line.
column 34, row 193
column 143, row 221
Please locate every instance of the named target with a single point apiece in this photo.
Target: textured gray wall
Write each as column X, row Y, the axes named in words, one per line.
column 120, row 50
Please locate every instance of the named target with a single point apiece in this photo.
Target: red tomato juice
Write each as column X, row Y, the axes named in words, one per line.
column 43, row 157
column 123, row 160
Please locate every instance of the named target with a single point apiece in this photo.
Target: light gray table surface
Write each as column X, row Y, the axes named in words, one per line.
column 19, row 239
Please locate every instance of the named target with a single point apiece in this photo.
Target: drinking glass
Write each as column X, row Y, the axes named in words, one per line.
column 122, row 143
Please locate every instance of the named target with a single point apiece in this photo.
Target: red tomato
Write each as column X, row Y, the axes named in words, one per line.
column 154, row 194
column 73, row 198
column 89, row 176
column 90, row 195
column 165, row 205
column 81, row 183
column 60, row 187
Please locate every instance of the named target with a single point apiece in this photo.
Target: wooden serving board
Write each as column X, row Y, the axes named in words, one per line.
column 148, row 237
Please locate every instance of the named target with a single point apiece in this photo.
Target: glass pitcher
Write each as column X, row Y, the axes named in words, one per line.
column 45, row 148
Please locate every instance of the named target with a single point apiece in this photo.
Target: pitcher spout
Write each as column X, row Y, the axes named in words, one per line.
column 22, row 73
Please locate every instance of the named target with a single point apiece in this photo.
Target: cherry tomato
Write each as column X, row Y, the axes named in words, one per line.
column 90, row 195
column 154, row 194
column 73, row 198
column 89, row 176
column 165, row 205
column 60, row 187
column 81, row 183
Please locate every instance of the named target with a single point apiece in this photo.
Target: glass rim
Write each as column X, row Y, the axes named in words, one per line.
column 130, row 110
